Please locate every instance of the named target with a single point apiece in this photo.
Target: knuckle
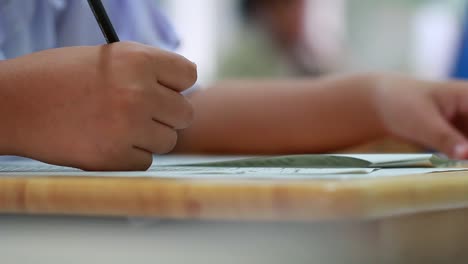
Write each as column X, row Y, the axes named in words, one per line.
column 143, row 55
column 136, row 53
column 142, row 163
column 188, row 114
column 170, row 142
column 124, row 160
column 187, row 70
column 191, row 73
column 169, row 59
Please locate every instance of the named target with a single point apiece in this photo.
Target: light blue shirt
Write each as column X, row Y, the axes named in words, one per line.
column 32, row 25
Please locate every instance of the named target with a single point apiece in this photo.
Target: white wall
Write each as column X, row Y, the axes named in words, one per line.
column 202, row 26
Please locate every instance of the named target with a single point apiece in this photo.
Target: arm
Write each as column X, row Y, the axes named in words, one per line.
column 282, row 116
column 324, row 115
column 6, row 131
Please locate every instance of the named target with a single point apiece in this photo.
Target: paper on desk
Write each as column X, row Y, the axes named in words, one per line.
column 164, row 168
column 331, row 161
column 34, row 168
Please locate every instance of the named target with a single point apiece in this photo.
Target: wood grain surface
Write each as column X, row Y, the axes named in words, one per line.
column 311, row 200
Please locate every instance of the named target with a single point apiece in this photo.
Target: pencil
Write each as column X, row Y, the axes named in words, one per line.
column 103, row 20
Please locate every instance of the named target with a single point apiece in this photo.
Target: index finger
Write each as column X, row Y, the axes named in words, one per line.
column 174, row 71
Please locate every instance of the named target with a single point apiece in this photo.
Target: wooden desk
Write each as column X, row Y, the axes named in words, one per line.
column 295, row 200
column 410, row 219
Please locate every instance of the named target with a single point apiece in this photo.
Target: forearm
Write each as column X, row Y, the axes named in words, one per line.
column 7, row 108
column 283, row 116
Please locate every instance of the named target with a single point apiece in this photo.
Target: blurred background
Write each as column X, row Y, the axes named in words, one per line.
column 275, row 39
column 278, row 38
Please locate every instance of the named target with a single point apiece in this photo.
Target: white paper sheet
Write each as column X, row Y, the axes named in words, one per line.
column 163, row 167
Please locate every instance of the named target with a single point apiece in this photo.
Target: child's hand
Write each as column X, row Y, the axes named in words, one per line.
column 432, row 114
column 97, row 108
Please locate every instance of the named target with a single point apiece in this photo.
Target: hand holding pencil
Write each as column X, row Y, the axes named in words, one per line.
column 106, row 107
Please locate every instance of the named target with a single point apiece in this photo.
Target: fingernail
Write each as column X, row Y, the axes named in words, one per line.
column 461, row 151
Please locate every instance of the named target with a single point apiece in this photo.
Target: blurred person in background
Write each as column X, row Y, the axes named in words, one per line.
column 109, row 107
column 279, row 38
column 460, row 69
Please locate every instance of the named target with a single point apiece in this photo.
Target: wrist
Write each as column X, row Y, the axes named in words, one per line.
column 381, row 88
column 374, row 86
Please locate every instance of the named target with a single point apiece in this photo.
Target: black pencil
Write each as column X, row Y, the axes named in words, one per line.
column 103, row 20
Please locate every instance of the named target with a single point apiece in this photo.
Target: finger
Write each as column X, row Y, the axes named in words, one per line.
column 452, row 98
column 156, row 138
column 458, row 89
column 169, row 107
column 174, row 71
column 132, row 159
column 140, row 160
column 435, row 131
